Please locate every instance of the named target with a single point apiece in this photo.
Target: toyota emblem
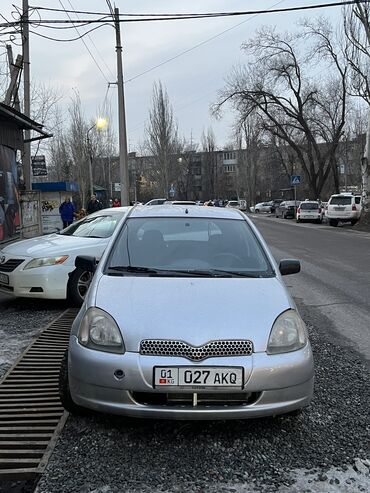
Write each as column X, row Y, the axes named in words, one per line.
column 2, row 259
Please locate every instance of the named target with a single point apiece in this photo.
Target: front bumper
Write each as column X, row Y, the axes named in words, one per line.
column 41, row 282
column 281, row 383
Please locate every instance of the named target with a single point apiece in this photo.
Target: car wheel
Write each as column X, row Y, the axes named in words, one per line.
column 64, row 392
column 256, row 211
column 298, row 220
column 78, row 285
column 353, row 222
column 333, row 222
column 319, row 221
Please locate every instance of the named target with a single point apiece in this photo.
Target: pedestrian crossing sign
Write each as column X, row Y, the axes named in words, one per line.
column 295, row 180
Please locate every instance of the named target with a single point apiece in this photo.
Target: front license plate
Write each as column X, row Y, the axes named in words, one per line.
column 4, row 279
column 201, row 377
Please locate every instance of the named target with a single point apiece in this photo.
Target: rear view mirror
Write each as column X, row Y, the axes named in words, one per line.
column 289, row 266
column 86, row 263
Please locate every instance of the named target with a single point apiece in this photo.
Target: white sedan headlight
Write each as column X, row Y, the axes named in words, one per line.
column 46, row 261
column 99, row 331
column 287, row 334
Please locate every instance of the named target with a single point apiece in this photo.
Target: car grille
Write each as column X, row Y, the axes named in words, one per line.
column 11, row 264
column 162, row 347
column 203, row 399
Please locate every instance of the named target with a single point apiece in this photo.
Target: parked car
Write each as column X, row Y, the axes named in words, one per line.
column 287, row 209
column 180, row 202
column 344, row 207
column 275, row 203
column 233, row 204
column 176, row 324
column 44, row 267
column 262, row 207
column 156, row 202
column 310, row 210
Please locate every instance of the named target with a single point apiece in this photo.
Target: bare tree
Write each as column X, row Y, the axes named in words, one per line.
column 162, row 139
column 307, row 116
column 208, row 142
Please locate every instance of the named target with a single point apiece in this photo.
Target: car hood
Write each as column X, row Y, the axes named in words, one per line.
column 195, row 310
column 49, row 245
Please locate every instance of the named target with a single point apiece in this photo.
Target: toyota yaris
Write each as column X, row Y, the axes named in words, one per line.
column 187, row 317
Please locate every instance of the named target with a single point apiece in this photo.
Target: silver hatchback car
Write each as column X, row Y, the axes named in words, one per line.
column 187, row 317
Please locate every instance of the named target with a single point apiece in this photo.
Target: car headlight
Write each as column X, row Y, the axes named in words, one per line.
column 287, row 334
column 99, row 331
column 46, row 261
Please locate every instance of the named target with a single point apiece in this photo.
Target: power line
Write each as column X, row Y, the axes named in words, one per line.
column 212, row 14
column 188, row 50
column 167, row 17
column 96, row 48
column 88, row 49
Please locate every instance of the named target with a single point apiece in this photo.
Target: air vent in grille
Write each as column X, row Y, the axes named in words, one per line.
column 163, row 347
column 11, row 264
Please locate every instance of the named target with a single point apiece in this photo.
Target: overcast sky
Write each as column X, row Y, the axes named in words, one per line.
column 192, row 79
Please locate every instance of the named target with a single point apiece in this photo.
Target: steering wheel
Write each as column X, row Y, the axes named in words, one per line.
column 230, row 256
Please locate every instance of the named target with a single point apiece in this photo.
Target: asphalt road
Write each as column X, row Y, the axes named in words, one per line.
column 333, row 287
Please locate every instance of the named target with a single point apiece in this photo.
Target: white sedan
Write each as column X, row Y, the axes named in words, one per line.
column 262, row 207
column 44, row 267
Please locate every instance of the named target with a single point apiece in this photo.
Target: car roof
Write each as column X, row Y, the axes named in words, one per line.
column 185, row 211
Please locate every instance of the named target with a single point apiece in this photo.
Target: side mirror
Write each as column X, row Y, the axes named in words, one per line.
column 289, row 266
column 86, row 263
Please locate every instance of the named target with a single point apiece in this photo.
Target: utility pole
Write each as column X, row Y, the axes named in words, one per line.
column 123, row 159
column 27, row 101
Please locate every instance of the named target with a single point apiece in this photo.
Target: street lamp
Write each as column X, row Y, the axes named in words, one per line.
column 100, row 124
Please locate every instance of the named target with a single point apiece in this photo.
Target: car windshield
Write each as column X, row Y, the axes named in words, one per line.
column 199, row 246
column 309, row 205
column 340, row 201
column 94, row 227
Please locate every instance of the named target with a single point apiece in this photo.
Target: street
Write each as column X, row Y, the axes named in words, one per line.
column 323, row 450
column 333, row 285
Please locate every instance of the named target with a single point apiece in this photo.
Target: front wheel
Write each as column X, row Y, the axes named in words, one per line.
column 64, row 391
column 78, row 285
column 256, row 211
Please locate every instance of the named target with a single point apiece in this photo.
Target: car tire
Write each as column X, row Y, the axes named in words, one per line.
column 353, row 222
column 256, row 211
column 319, row 221
column 298, row 220
column 78, row 285
column 64, row 392
column 333, row 222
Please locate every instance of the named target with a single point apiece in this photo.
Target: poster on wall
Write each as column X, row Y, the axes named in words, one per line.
column 51, row 220
column 9, row 199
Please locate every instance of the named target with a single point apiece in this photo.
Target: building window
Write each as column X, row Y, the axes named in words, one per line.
column 229, row 168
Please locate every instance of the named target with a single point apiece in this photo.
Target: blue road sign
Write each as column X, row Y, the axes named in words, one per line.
column 295, row 180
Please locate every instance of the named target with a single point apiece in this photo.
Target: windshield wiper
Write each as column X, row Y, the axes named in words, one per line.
column 132, row 268
column 182, row 273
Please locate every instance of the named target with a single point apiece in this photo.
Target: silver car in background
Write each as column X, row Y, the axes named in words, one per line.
column 187, row 317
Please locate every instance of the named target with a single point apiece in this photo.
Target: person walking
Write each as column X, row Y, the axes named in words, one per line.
column 94, row 205
column 67, row 212
column 116, row 203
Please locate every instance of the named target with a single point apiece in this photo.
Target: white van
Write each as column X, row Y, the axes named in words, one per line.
column 344, row 207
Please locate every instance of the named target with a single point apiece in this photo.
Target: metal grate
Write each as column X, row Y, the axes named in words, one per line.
column 31, row 414
column 163, row 347
column 11, row 264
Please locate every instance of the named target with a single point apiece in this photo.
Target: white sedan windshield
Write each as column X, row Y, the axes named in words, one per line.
column 93, row 227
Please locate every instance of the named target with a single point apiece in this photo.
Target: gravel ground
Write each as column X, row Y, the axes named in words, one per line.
column 325, row 450
column 315, row 452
